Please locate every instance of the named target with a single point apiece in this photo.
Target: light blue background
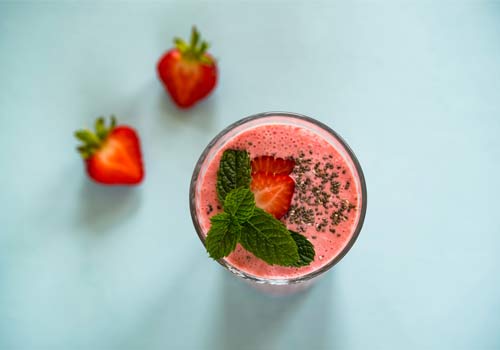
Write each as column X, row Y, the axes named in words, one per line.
column 414, row 87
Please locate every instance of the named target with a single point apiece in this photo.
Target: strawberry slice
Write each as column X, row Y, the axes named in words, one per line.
column 273, row 193
column 112, row 154
column 272, row 166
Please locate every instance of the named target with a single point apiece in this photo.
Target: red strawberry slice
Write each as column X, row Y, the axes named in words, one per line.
column 112, row 154
column 273, row 193
column 272, row 166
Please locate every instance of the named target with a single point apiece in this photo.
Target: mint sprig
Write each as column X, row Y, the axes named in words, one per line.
column 258, row 232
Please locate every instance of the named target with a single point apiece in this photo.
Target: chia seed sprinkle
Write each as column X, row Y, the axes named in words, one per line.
column 340, row 214
column 317, row 188
column 300, row 215
column 335, row 187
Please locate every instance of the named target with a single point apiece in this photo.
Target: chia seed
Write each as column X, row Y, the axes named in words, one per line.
column 210, row 209
column 335, row 187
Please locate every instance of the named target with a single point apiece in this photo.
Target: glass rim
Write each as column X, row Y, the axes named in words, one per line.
column 350, row 153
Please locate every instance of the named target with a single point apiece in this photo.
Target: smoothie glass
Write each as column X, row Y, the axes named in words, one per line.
column 281, row 284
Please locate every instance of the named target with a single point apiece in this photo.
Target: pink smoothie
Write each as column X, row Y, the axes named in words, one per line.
column 326, row 202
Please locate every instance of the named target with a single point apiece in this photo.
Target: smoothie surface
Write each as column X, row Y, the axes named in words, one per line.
column 325, row 203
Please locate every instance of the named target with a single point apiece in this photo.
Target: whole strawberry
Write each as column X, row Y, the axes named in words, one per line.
column 112, row 154
column 188, row 72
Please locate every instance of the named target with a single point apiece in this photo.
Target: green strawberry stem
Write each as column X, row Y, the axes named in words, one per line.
column 92, row 141
column 195, row 50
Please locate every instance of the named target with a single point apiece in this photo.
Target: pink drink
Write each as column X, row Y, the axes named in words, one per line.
column 329, row 202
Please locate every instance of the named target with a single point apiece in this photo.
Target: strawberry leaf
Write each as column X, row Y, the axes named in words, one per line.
column 100, row 128
column 181, row 45
column 203, row 48
column 92, row 141
column 87, row 137
column 195, row 50
column 195, row 37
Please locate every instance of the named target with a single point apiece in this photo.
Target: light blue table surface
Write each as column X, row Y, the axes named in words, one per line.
column 414, row 87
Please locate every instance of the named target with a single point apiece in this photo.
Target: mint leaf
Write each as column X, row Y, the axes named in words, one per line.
column 240, row 203
column 305, row 248
column 234, row 172
column 268, row 239
column 223, row 235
